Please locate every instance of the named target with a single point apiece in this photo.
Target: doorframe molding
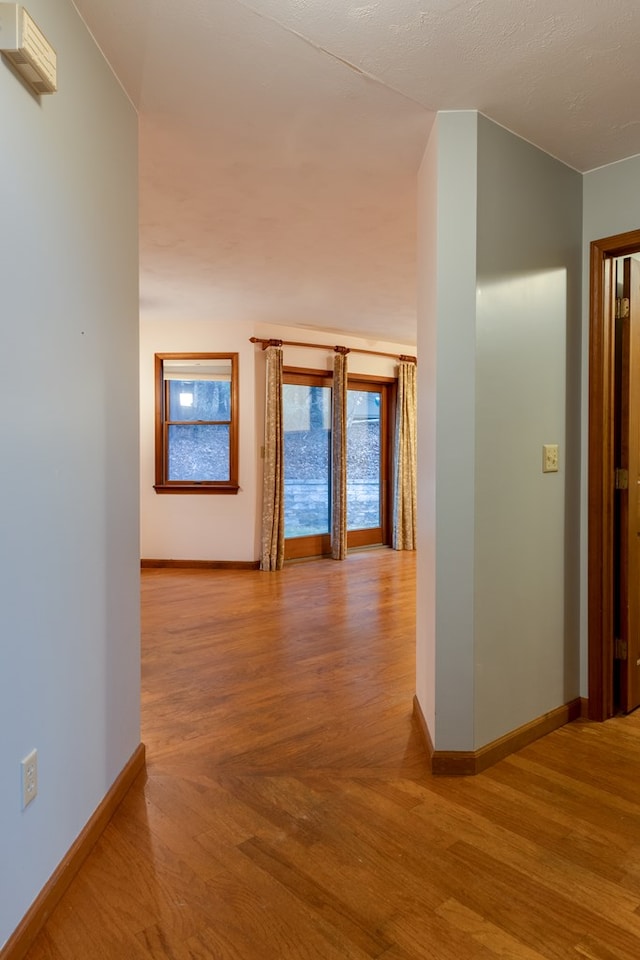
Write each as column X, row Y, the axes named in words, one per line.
column 601, row 467
column 319, row 545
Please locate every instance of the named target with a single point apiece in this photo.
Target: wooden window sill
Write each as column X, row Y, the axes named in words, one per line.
column 196, row 488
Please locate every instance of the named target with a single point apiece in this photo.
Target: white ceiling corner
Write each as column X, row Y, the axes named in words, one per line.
column 280, row 139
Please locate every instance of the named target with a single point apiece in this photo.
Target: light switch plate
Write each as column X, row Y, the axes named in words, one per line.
column 29, row 770
column 550, row 458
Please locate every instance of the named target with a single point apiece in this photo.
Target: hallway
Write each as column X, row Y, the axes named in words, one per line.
column 288, row 812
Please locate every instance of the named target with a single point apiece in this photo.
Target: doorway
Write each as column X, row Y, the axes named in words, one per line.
column 307, row 402
column 614, row 448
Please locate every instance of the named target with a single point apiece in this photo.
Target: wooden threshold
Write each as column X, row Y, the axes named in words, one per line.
column 464, row 763
column 148, row 564
column 45, row 903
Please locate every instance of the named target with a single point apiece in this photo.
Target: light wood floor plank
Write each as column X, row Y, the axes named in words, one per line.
column 288, row 812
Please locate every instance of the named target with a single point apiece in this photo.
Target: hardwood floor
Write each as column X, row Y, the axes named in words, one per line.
column 288, row 812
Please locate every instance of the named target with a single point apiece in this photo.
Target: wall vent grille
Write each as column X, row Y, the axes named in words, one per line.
column 26, row 47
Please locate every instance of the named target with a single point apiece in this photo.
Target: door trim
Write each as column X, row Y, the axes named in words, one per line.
column 319, row 545
column 601, row 597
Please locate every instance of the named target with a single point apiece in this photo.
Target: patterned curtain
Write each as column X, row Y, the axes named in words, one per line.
column 339, row 457
column 272, row 555
column 404, row 507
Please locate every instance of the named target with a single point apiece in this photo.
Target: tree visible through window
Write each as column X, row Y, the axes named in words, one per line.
column 196, row 423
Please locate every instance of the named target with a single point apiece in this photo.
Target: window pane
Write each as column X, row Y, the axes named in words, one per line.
column 307, row 438
column 363, row 459
column 199, row 400
column 198, row 453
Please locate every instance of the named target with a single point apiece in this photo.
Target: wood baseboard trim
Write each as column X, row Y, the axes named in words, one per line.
column 201, row 564
column 521, row 737
column 23, row 936
column 584, row 708
column 469, row 762
column 423, row 726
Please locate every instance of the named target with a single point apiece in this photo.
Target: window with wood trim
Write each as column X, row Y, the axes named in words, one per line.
column 196, row 422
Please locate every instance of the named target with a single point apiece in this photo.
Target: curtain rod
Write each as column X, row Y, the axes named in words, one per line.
column 324, row 346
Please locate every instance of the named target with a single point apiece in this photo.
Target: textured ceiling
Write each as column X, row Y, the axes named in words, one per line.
column 280, row 139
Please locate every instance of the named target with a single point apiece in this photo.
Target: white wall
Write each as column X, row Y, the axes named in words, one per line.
column 527, row 394
column 427, row 308
column 220, row 526
column 199, row 526
column 69, row 656
column 505, row 323
column 446, row 322
column 611, row 206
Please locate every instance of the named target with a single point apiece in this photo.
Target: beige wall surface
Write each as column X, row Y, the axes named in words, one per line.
column 527, row 394
column 499, row 541
column 220, row 526
column 69, row 657
column 446, row 332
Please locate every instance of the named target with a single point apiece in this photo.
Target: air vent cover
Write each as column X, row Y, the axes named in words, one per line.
column 26, row 47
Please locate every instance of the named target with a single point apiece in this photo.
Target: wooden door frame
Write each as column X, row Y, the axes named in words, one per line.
column 319, row 545
column 601, row 468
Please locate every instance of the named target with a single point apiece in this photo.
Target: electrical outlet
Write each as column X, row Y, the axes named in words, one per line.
column 29, row 768
column 550, row 458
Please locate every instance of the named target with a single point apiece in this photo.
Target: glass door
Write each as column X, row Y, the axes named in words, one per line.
column 307, row 458
column 365, row 486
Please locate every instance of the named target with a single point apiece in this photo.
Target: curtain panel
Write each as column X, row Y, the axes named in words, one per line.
column 272, row 552
column 339, row 458
column 405, row 460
